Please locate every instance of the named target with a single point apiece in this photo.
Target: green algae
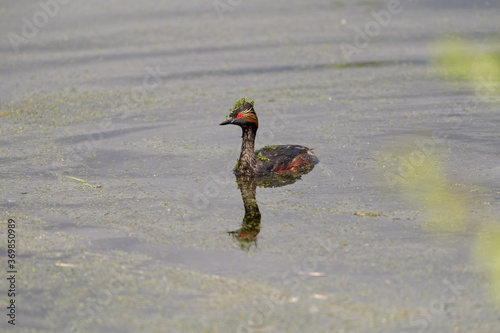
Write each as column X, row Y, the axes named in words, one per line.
column 239, row 103
column 261, row 157
column 84, row 183
column 53, row 108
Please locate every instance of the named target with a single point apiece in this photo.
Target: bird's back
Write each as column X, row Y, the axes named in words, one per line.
column 284, row 159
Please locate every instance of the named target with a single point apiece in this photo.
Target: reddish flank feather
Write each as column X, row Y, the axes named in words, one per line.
column 304, row 160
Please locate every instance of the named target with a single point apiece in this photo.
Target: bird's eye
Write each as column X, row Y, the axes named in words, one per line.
column 238, row 116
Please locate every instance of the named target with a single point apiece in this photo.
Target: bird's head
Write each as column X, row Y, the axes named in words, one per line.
column 242, row 114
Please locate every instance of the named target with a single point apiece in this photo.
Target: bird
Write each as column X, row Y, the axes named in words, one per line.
column 286, row 160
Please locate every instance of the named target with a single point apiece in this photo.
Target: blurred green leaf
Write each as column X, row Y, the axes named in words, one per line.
column 460, row 60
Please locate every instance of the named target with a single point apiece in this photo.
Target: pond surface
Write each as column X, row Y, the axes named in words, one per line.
column 120, row 179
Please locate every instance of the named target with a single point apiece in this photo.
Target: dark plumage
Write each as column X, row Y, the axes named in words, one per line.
column 284, row 159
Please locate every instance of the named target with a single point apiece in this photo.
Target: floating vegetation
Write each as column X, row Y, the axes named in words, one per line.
column 366, row 214
column 46, row 109
column 84, row 182
column 261, row 157
column 239, row 103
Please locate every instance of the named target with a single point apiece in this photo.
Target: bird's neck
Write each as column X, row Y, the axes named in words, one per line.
column 248, row 162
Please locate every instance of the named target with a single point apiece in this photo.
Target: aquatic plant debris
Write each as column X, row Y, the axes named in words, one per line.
column 84, row 182
column 366, row 214
column 261, row 157
column 238, row 104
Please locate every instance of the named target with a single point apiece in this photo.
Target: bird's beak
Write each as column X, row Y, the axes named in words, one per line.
column 225, row 122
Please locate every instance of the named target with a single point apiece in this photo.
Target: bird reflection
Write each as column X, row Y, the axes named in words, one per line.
column 246, row 236
column 250, row 227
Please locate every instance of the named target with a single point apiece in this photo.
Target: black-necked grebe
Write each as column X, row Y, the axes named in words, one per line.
column 282, row 160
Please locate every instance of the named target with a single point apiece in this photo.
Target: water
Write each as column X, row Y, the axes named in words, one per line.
column 127, row 97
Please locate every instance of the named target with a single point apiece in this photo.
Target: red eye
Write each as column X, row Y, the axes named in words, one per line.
column 238, row 116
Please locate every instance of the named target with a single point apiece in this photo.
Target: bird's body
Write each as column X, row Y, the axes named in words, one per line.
column 280, row 160
column 283, row 159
